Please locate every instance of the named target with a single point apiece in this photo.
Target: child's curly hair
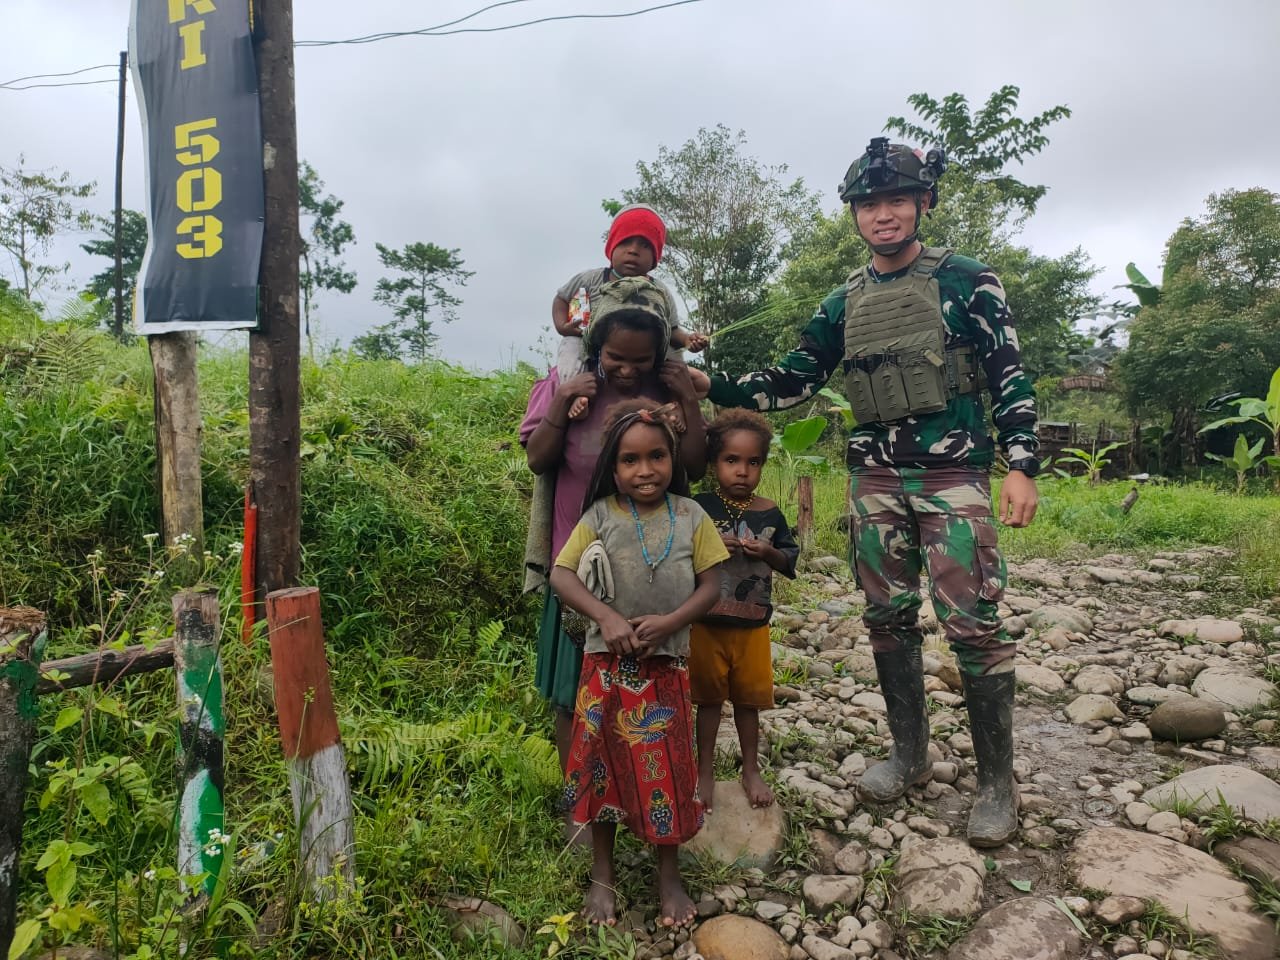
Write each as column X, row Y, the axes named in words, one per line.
column 737, row 419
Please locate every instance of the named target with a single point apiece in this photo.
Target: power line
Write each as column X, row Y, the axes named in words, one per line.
column 370, row 38
column 437, row 31
column 37, row 86
column 51, row 76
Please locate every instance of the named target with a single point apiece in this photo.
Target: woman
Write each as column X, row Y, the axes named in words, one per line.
column 626, row 359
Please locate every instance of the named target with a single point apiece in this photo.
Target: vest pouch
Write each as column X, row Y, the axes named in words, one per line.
column 924, row 371
column 857, row 387
column 890, row 392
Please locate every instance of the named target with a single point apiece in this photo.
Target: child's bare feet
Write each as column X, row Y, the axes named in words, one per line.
column 675, row 907
column 758, row 792
column 601, row 905
column 578, row 409
column 706, row 791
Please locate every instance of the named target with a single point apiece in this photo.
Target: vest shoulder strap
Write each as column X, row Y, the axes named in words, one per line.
column 931, row 260
column 856, row 281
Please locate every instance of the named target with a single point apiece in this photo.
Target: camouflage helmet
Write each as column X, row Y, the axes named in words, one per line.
column 637, row 297
column 890, row 167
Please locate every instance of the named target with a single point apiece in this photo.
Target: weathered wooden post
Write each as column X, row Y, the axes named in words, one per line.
column 201, row 730
column 310, row 739
column 22, row 640
column 178, row 430
column 804, row 508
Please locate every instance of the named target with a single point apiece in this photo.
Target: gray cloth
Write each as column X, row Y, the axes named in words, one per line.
column 537, row 541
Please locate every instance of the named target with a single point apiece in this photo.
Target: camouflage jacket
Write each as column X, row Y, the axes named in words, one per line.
column 974, row 310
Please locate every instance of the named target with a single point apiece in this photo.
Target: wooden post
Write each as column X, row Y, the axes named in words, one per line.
column 178, row 428
column 309, row 737
column 804, row 508
column 103, row 666
column 201, row 729
column 22, row 640
column 118, row 325
column 274, row 404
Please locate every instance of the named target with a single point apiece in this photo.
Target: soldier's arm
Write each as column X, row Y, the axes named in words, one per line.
column 800, row 374
column 1013, row 397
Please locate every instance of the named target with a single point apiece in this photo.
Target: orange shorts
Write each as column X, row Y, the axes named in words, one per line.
column 730, row 663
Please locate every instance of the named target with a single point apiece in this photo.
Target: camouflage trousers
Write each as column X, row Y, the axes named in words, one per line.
column 907, row 520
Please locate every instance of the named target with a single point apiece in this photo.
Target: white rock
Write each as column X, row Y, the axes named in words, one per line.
column 1235, row 691
column 1091, row 706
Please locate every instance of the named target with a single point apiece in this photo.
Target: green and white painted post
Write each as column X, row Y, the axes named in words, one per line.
column 22, row 640
column 201, row 729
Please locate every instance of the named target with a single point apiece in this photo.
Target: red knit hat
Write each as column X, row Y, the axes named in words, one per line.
column 637, row 220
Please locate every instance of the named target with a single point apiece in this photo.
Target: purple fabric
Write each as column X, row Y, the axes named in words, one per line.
column 582, row 442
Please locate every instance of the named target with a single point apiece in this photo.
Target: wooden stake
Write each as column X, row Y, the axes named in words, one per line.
column 274, row 404
column 117, row 328
column 310, row 739
column 103, row 666
column 804, row 508
column 22, row 641
column 178, row 428
column 201, row 730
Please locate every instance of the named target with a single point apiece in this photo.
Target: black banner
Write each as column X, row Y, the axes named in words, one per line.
column 194, row 72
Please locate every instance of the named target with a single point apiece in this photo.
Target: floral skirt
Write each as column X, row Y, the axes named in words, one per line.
column 632, row 758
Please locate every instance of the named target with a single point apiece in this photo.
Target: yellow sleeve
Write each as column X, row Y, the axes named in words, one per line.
column 576, row 545
column 708, row 548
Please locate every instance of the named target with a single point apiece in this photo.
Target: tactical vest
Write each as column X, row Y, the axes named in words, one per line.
column 896, row 362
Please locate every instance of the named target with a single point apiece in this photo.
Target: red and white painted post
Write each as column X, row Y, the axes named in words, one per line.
column 310, row 739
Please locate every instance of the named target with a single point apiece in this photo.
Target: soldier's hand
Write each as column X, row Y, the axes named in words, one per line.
column 1018, row 500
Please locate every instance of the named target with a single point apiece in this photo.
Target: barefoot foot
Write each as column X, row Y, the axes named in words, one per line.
column 757, row 791
column 578, row 409
column 706, row 793
column 601, row 905
column 676, row 909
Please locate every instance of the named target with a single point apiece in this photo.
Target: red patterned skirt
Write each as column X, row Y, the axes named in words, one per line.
column 632, row 758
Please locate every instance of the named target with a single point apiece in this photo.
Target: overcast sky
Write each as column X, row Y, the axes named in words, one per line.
column 504, row 144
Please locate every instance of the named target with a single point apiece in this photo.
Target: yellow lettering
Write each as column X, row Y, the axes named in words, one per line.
column 188, row 135
column 192, row 52
column 210, row 181
column 178, row 9
column 206, row 236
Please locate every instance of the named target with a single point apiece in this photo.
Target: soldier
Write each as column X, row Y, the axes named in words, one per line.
column 920, row 333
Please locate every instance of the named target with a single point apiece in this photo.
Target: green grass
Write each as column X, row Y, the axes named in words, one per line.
column 414, row 499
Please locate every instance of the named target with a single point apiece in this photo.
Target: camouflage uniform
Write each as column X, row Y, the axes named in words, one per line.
column 921, row 495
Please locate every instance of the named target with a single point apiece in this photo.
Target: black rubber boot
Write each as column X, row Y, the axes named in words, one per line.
column 901, row 676
column 994, row 818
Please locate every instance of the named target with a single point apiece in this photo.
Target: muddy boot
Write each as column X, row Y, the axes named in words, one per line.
column 901, row 676
column 994, row 818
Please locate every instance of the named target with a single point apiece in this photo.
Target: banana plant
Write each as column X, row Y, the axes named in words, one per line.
column 1243, row 459
column 1266, row 413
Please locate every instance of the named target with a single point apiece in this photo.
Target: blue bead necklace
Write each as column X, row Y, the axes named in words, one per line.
column 671, row 534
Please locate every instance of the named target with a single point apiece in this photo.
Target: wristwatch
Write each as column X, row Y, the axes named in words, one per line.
column 1028, row 465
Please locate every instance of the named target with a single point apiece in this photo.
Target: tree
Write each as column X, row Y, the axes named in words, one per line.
column 412, row 297
column 728, row 217
column 133, row 245
column 1214, row 328
column 323, row 239
column 981, row 211
column 35, row 206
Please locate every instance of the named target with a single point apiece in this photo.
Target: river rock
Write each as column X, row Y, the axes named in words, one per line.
column 1024, row 929
column 1151, row 696
column 1247, row 791
column 1114, row 911
column 740, row 833
column 820, row 949
column 1186, row 719
column 471, row 917
column 852, row 858
column 1235, row 691
column 941, row 877
column 1255, row 856
column 732, row 937
column 1091, row 706
column 824, row 891
column 1053, row 615
column 1034, row 675
column 1186, row 882
column 1180, row 669
column 1204, row 629
column 1096, row 678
